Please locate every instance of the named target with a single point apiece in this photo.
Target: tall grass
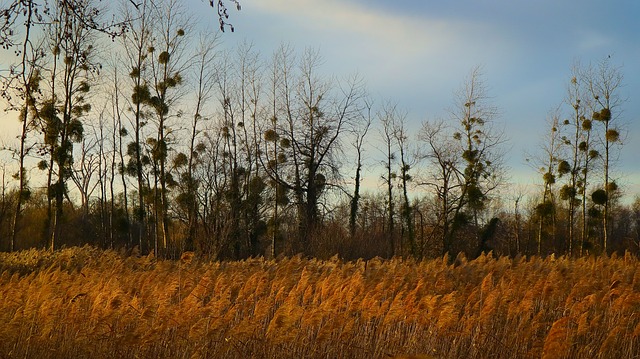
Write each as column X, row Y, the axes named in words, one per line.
column 86, row 303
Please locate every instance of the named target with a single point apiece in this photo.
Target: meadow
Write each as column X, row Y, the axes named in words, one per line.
column 89, row 303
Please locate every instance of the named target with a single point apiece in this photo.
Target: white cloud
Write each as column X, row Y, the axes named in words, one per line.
column 404, row 56
column 412, row 34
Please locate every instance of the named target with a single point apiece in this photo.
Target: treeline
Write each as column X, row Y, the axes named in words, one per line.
column 171, row 144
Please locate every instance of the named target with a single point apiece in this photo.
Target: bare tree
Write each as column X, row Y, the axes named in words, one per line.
column 119, row 132
column 388, row 118
column 210, row 174
column 204, row 80
column 517, row 197
column 74, row 41
column 547, row 165
column 467, row 160
column 480, row 143
column 604, row 83
column 443, row 178
column 315, row 114
column 275, row 145
column 360, row 132
column 407, row 161
column 481, row 149
column 234, row 170
column 15, row 9
column 168, row 63
column 136, row 43
column 249, row 96
column 578, row 143
column 24, row 81
column 85, row 167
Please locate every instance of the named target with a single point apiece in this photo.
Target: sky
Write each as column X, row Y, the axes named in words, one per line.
column 418, row 53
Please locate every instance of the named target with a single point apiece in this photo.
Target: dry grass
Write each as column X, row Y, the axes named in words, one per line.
column 85, row 303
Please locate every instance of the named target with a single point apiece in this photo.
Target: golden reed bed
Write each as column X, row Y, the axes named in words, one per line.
column 87, row 303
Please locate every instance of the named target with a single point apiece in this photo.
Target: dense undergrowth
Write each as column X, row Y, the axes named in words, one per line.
column 87, row 303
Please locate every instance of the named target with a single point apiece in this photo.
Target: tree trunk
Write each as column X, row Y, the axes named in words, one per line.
column 15, row 228
column 353, row 213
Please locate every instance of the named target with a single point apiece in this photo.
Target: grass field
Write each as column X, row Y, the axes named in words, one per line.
column 87, row 303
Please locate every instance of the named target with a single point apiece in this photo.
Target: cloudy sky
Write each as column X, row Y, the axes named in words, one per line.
column 417, row 53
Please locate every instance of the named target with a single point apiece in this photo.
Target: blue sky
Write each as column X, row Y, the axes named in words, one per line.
column 417, row 53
